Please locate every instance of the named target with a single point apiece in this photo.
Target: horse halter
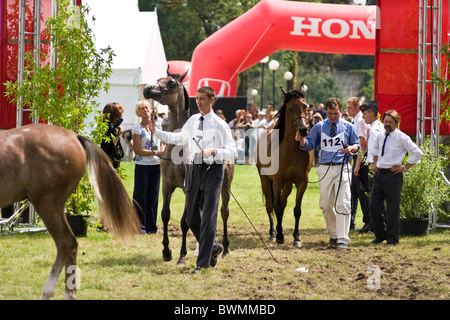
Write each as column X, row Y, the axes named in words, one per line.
column 297, row 95
column 299, row 129
column 166, row 91
column 297, row 120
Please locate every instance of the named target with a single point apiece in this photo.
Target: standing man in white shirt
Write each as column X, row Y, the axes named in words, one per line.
column 360, row 175
column 388, row 153
column 209, row 144
column 370, row 116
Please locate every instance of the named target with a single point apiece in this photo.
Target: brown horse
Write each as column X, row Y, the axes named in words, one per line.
column 281, row 163
column 171, row 92
column 44, row 163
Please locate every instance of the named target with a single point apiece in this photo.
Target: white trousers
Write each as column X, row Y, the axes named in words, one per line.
column 335, row 189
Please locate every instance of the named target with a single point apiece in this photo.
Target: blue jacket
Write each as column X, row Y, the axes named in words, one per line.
column 330, row 146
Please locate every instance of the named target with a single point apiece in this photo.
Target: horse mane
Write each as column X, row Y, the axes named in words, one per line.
column 281, row 114
column 187, row 107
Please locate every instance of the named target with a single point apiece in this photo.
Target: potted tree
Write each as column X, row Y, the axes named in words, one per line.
column 63, row 95
column 423, row 190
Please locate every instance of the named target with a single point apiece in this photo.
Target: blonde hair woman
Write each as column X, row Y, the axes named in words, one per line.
column 147, row 173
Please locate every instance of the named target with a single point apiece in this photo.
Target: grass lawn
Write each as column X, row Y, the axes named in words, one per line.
column 418, row 268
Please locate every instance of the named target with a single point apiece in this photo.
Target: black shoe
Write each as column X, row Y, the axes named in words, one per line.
column 215, row 254
column 332, row 242
column 197, row 270
column 392, row 243
column 364, row 229
column 376, row 241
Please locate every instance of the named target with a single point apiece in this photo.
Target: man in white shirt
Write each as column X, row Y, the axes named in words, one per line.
column 370, row 117
column 209, row 144
column 388, row 153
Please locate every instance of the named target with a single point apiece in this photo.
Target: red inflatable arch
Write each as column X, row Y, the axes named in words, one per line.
column 274, row 25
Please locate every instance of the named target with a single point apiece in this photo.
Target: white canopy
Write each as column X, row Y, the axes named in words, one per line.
column 140, row 58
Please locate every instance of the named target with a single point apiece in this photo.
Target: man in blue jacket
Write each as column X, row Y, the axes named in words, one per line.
column 337, row 140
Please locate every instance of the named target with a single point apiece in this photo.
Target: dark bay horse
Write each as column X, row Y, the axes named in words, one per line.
column 279, row 150
column 44, row 163
column 171, row 92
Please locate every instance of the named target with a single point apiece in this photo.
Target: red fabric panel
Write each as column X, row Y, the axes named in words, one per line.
column 396, row 72
column 9, row 10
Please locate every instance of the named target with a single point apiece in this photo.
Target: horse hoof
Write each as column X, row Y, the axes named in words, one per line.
column 181, row 262
column 297, row 243
column 280, row 241
column 272, row 239
column 167, row 256
column 225, row 254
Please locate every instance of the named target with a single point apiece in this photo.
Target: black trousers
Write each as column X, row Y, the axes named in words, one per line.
column 387, row 186
column 203, row 189
column 360, row 192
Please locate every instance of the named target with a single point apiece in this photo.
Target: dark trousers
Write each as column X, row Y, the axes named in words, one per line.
column 203, row 189
column 387, row 186
column 360, row 193
column 145, row 195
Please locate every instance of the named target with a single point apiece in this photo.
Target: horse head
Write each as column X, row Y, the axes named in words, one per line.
column 293, row 111
column 166, row 90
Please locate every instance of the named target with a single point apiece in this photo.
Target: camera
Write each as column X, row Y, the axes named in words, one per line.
column 115, row 124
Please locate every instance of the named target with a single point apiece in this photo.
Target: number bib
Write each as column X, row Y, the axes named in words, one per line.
column 331, row 144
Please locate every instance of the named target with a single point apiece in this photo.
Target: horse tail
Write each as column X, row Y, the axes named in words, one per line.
column 114, row 204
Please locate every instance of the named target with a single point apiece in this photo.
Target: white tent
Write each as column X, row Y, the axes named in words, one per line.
column 136, row 41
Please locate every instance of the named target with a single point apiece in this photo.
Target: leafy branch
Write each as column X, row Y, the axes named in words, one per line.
column 63, row 95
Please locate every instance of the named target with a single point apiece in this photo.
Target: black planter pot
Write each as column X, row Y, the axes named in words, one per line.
column 78, row 224
column 414, row 227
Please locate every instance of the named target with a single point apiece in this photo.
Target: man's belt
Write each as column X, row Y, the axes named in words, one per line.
column 332, row 164
column 385, row 170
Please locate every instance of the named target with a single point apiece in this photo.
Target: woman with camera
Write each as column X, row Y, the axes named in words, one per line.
column 147, row 173
column 112, row 112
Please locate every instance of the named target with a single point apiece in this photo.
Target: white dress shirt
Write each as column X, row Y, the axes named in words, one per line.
column 216, row 134
column 397, row 144
column 376, row 129
column 361, row 127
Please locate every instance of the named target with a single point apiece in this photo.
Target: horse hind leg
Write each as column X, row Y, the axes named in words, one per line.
column 165, row 217
column 281, row 196
column 66, row 250
column 298, row 213
column 266, row 185
column 183, row 251
column 225, row 213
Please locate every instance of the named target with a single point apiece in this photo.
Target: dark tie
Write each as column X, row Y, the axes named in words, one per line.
column 200, row 125
column 333, row 130
column 384, row 143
